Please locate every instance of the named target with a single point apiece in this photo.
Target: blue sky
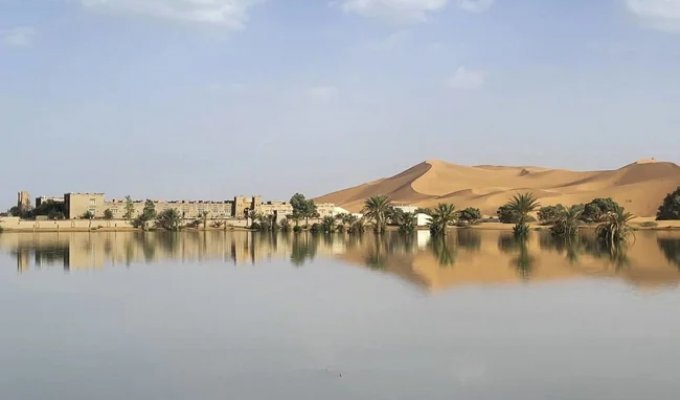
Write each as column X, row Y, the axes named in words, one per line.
column 206, row 99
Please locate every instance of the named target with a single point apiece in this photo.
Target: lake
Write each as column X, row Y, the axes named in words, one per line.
column 235, row 315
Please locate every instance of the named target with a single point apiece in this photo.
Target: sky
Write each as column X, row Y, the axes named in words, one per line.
column 207, row 99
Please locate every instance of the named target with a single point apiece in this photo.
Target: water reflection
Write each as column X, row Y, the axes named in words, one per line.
column 670, row 246
column 466, row 256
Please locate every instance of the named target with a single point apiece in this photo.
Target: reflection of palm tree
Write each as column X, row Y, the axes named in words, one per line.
column 618, row 255
column 377, row 256
column 524, row 261
column 670, row 249
column 574, row 249
column 469, row 239
column 443, row 252
column 304, row 248
column 148, row 248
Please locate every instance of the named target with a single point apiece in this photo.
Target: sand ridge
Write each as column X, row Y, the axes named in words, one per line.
column 640, row 187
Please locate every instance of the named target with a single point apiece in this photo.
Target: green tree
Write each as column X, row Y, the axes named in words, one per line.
column 470, row 215
column 303, row 208
column 441, row 217
column 377, row 209
column 88, row 215
column 521, row 205
column 598, row 210
column 49, row 208
column 129, row 208
column 169, row 220
column 149, row 210
column 108, row 214
column 148, row 214
column 670, row 208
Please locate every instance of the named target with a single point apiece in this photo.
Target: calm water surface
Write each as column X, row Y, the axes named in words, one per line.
column 248, row 316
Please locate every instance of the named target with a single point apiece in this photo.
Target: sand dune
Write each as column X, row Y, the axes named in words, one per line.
column 640, row 187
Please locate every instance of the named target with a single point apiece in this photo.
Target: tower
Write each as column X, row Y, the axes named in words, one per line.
column 24, row 201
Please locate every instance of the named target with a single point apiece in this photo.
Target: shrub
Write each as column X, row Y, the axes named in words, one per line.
column 88, row 215
column 670, row 208
column 316, row 228
column 108, row 214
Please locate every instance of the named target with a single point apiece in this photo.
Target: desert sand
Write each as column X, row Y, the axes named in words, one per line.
column 640, row 187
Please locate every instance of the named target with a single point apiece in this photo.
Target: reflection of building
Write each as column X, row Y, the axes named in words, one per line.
column 466, row 256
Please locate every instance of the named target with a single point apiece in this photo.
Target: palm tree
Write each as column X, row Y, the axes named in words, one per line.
column 328, row 224
column 377, row 208
column 441, row 217
column 616, row 227
column 521, row 205
column 567, row 222
column 358, row 225
column 405, row 220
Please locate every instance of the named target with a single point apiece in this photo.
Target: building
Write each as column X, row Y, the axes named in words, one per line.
column 24, row 201
column 77, row 205
column 422, row 219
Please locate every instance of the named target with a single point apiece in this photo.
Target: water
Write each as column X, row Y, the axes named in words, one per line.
column 243, row 316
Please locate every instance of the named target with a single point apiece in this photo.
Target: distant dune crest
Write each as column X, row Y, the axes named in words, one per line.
column 640, row 186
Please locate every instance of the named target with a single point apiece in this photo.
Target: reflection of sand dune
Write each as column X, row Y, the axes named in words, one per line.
column 466, row 257
column 640, row 186
column 487, row 260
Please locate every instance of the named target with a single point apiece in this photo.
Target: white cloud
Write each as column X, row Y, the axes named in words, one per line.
column 322, row 94
column 659, row 14
column 465, row 78
column 18, row 37
column 408, row 10
column 231, row 14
